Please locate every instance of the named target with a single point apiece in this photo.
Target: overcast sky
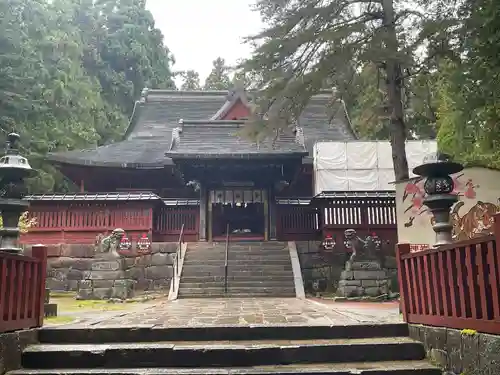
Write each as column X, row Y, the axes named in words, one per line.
column 199, row 31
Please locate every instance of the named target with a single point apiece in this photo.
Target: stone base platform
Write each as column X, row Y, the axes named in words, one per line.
column 107, row 279
column 364, row 279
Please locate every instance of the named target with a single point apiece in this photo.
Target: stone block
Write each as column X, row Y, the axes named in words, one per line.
column 57, row 274
column 101, row 293
column 57, row 285
column 470, row 353
column 372, row 291
column 77, row 251
column 162, row 259
column 74, row 274
column 161, row 284
column 121, row 292
column 85, row 284
column 369, row 283
column 370, row 275
column 350, row 283
column 438, row 357
column 53, row 251
column 106, row 275
column 137, row 273
column 109, row 265
column 12, row 345
column 84, row 294
column 103, row 283
column 129, row 263
column 72, row 285
column 124, row 283
column 348, row 291
column 158, row 272
column 347, row 275
column 144, row 260
column 489, row 347
column 453, row 347
column 366, row 266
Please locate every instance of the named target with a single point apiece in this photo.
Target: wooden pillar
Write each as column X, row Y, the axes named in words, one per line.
column 272, row 215
column 266, row 214
column 209, row 216
column 203, row 213
column 82, row 186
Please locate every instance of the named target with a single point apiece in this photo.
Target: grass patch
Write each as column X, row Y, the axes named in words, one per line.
column 69, row 303
column 58, row 320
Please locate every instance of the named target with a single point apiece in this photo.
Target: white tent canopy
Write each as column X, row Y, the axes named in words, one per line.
column 362, row 166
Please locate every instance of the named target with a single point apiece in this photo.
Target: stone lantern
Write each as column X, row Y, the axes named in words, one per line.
column 437, row 169
column 14, row 168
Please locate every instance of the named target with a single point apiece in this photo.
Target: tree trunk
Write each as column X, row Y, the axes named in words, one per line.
column 394, row 82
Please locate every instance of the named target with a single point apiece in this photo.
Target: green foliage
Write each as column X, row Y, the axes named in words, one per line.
column 469, row 113
column 190, row 80
column 218, row 79
column 70, row 72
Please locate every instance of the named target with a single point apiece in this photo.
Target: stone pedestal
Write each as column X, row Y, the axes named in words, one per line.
column 50, row 309
column 107, row 279
column 364, row 278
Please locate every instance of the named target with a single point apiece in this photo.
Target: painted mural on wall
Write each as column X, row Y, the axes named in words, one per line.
column 472, row 216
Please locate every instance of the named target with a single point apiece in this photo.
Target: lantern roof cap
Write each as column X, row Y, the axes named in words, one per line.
column 437, row 164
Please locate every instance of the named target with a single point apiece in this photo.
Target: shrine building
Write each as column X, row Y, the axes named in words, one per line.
column 184, row 164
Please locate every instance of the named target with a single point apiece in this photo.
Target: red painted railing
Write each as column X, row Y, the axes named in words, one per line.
column 455, row 286
column 81, row 223
column 22, row 289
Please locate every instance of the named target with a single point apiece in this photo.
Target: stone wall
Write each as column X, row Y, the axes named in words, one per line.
column 11, row 348
column 321, row 271
column 68, row 265
column 465, row 352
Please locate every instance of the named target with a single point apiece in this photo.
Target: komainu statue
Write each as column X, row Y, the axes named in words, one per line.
column 368, row 249
column 110, row 244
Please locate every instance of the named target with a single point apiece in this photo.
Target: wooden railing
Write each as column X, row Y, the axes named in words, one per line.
column 22, row 289
column 82, row 223
column 455, row 286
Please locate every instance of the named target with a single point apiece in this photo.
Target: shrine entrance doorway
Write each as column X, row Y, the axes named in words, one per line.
column 244, row 210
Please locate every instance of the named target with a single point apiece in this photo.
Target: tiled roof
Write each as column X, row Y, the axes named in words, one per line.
column 214, row 138
column 149, row 135
column 121, row 196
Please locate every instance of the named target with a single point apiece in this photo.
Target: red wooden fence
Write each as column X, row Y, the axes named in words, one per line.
column 81, row 223
column 455, row 286
column 296, row 223
column 22, row 289
column 168, row 222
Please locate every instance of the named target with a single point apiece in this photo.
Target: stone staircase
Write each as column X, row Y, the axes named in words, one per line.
column 255, row 269
column 258, row 350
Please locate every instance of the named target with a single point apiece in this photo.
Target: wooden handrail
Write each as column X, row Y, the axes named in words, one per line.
column 178, row 254
column 226, row 260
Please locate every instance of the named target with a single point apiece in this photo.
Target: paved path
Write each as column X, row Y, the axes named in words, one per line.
column 243, row 312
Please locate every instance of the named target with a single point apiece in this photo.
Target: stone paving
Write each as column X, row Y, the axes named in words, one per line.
column 242, row 312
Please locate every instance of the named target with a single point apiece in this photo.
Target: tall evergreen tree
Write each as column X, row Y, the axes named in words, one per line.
column 309, row 45
column 218, row 79
column 190, row 80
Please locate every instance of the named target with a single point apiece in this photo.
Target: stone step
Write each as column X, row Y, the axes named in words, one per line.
column 240, row 284
column 241, row 291
column 219, row 272
column 225, row 354
column 372, row 368
column 238, row 251
column 233, row 278
column 237, row 262
column 90, row 334
column 239, row 255
column 234, row 295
